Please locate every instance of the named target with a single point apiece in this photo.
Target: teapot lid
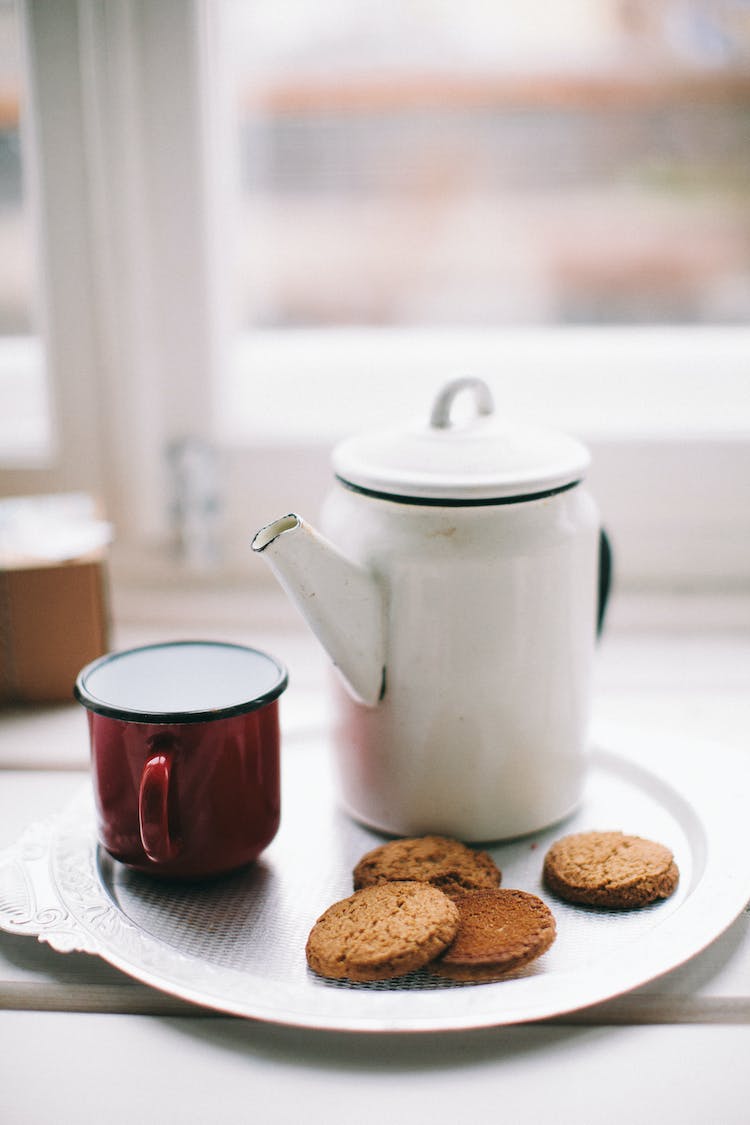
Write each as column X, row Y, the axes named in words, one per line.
column 479, row 461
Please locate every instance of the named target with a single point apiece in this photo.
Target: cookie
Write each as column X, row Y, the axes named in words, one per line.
column 499, row 931
column 610, row 869
column 381, row 932
column 438, row 860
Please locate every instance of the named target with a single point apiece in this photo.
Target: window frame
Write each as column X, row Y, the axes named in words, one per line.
column 121, row 210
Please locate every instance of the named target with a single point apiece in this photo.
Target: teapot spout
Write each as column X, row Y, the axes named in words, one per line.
column 340, row 600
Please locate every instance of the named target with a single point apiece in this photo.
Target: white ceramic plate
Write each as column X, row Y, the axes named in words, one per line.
column 237, row 945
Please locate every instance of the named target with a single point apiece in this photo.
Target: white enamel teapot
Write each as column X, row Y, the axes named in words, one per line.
column 456, row 585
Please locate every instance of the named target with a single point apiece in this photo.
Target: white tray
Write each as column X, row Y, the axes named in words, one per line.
column 237, row 945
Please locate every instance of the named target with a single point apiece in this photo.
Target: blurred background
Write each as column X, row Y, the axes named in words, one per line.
column 432, row 163
column 452, row 163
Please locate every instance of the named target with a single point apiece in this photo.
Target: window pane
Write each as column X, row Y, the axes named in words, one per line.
column 473, row 163
column 25, row 433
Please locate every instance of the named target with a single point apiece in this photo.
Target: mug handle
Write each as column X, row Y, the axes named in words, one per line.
column 153, row 809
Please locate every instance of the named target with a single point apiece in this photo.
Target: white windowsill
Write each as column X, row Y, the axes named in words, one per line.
column 665, row 411
column 287, row 386
column 311, row 386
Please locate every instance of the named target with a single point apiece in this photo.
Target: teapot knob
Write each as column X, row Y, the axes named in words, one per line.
column 440, row 419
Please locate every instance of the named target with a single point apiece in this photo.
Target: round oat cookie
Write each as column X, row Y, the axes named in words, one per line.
column 610, row 869
column 439, row 860
column 499, row 931
column 382, row 932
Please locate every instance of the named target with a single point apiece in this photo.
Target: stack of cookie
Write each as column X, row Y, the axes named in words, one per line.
column 429, row 901
column 433, row 902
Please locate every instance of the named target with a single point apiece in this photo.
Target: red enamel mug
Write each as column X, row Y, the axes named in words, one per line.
column 185, row 743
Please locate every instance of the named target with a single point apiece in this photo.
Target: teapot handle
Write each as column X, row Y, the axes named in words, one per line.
column 440, row 419
column 605, row 579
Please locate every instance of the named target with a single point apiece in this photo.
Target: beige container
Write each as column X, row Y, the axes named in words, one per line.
column 54, row 614
column 53, row 620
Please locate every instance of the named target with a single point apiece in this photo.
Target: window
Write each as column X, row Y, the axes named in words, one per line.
column 266, row 224
column 470, row 163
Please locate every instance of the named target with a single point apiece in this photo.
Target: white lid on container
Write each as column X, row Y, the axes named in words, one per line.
column 479, row 460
